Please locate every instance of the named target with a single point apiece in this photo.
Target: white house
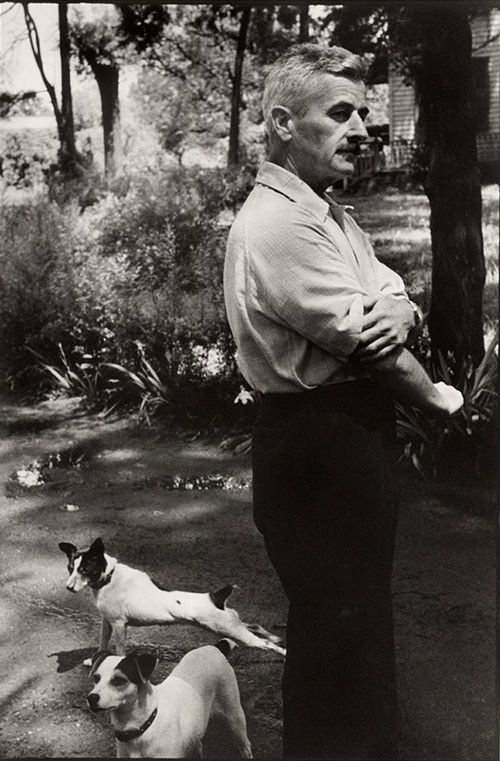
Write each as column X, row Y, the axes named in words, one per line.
column 486, row 63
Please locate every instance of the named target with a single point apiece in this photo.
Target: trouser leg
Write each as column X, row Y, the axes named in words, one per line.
column 325, row 504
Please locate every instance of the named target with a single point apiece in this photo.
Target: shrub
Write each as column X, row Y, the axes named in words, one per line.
column 35, row 283
column 465, row 443
column 26, row 156
column 84, row 289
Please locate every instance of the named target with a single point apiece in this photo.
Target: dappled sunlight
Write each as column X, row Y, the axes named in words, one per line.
column 118, row 455
column 408, row 236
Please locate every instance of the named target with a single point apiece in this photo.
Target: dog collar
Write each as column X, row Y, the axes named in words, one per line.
column 102, row 582
column 131, row 734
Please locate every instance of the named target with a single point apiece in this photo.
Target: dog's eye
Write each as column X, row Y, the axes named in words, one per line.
column 97, row 678
column 118, row 681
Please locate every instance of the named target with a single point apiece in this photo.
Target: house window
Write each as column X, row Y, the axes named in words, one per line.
column 481, row 93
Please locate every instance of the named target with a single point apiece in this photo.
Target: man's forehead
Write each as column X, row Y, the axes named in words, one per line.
column 339, row 88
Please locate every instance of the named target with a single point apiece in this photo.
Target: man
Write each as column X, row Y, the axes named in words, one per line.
column 320, row 327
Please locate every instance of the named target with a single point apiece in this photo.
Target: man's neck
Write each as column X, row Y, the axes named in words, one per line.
column 286, row 162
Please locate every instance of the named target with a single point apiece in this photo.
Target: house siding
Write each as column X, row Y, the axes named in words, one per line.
column 486, row 28
column 402, row 107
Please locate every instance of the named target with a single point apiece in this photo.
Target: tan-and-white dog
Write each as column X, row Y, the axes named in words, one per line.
column 128, row 597
column 168, row 720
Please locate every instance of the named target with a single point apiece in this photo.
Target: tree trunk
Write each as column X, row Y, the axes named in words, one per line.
column 68, row 147
column 304, row 23
column 68, row 156
column 452, row 183
column 234, row 128
column 107, row 77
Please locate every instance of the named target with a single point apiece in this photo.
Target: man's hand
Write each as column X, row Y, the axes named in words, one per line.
column 451, row 399
column 386, row 323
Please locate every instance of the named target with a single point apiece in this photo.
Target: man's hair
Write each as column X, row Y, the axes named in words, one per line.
column 288, row 82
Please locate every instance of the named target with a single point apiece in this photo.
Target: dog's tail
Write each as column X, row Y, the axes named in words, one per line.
column 226, row 646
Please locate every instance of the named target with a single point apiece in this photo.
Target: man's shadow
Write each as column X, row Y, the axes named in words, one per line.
column 68, row 659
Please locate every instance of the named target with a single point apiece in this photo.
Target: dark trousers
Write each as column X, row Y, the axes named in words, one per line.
column 325, row 502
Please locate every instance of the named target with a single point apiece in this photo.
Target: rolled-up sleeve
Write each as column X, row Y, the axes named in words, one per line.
column 307, row 282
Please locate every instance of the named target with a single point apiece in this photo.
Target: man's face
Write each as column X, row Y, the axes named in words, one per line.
column 324, row 139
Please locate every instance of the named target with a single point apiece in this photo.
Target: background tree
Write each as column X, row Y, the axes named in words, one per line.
column 97, row 47
column 203, row 51
column 69, row 159
column 430, row 44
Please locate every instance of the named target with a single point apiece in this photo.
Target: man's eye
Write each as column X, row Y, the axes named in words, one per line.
column 341, row 116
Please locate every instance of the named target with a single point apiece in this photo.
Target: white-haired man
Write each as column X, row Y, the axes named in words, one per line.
column 320, row 327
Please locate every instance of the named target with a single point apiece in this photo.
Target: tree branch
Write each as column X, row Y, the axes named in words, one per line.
column 488, row 42
column 3, row 13
column 34, row 41
column 196, row 61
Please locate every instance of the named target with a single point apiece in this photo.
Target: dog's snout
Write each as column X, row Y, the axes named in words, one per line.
column 93, row 700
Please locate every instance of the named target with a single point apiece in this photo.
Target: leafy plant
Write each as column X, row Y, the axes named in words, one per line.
column 144, row 383
column 436, row 445
column 82, row 379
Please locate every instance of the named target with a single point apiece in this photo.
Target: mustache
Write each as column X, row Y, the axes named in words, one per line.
column 356, row 146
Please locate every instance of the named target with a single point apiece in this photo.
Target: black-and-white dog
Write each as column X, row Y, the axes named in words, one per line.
column 170, row 719
column 128, row 597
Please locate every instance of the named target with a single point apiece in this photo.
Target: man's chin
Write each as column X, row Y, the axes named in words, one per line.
column 344, row 169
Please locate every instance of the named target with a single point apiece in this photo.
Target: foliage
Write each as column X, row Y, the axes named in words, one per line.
column 81, row 379
column 85, row 289
column 26, row 156
column 17, row 103
column 437, row 446
column 95, row 37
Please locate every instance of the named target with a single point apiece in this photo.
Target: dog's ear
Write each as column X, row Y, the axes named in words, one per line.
column 97, row 547
column 98, row 658
column 220, row 597
column 68, row 549
column 138, row 666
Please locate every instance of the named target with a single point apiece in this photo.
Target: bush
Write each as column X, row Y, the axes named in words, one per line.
column 463, row 445
column 128, row 278
column 27, row 156
column 35, row 284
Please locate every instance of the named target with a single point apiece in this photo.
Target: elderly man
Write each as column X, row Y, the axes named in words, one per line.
column 320, row 327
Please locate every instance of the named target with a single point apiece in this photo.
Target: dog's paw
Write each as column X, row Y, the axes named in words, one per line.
column 87, row 662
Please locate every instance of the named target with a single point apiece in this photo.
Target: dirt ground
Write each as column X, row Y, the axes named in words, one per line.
column 194, row 539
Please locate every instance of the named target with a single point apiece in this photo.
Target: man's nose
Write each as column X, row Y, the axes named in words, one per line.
column 357, row 127
column 92, row 699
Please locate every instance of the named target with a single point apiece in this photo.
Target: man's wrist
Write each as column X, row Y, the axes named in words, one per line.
column 418, row 316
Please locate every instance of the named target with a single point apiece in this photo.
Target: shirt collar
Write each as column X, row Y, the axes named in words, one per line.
column 285, row 182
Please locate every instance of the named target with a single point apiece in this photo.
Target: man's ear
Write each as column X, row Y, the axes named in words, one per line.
column 97, row 547
column 98, row 658
column 282, row 122
column 68, row 549
column 138, row 666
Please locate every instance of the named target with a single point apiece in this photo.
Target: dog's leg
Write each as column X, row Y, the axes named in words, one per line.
column 237, row 725
column 106, row 631
column 210, row 611
column 228, row 622
column 120, row 636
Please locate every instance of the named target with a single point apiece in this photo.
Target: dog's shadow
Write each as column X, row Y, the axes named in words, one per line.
column 68, row 659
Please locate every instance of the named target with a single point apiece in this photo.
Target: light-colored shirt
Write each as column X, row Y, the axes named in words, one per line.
column 297, row 266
